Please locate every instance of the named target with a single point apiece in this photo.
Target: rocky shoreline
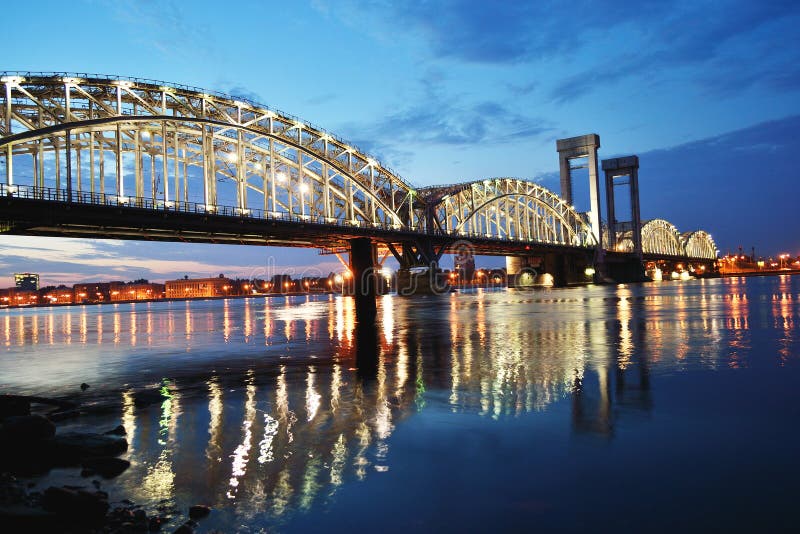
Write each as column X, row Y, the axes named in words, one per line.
column 31, row 445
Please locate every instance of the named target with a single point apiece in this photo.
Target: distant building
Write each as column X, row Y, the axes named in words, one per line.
column 18, row 297
column 200, row 287
column 56, row 295
column 28, row 281
column 93, row 292
column 138, row 290
column 281, row 283
column 464, row 266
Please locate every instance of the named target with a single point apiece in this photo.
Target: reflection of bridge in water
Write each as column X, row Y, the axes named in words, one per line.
column 125, row 158
column 274, row 434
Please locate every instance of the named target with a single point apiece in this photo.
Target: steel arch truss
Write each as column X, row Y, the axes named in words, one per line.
column 661, row 237
column 699, row 244
column 135, row 141
column 506, row 208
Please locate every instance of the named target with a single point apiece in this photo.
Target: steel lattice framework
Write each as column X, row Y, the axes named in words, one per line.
column 135, row 143
column 128, row 140
column 662, row 238
column 699, row 244
column 507, row 208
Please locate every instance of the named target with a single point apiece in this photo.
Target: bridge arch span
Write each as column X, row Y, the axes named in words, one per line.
column 699, row 244
column 661, row 237
column 131, row 140
column 506, row 208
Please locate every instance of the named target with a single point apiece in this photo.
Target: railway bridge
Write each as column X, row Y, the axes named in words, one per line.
column 96, row 156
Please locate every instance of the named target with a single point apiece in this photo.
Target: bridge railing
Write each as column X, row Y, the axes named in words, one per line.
column 105, row 199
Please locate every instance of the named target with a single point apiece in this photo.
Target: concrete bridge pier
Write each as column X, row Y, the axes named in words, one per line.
column 419, row 272
column 363, row 258
column 526, row 272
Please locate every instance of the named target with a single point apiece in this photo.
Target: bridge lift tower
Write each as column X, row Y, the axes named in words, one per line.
column 584, row 146
column 617, row 171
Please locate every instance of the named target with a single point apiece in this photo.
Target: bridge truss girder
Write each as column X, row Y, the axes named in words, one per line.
column 506, row 208
column 138, row 140
column 660, row 238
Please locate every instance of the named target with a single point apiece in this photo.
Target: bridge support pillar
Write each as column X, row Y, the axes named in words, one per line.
column 526, row 272
column 362, row 266
column 419, row 272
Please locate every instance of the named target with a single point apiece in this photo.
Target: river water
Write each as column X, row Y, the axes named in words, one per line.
column 637, row 407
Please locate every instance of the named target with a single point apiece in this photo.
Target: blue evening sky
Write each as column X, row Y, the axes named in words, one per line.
column 707, row 93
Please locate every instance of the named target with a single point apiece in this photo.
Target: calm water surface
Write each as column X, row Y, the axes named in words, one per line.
column 637, row 408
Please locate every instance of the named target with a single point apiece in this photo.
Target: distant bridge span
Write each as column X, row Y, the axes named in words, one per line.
column 88, row 155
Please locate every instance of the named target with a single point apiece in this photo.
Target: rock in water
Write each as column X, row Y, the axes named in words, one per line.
column 106, row 466
column 76, row 445
column 84, row 386
column 14, row 405
column 186, row 528
column 119, row 430
column 199, row 511
column 83, row 505
column 27, row 429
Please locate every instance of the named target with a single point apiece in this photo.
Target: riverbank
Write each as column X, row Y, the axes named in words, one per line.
column 765, row 272
column 54, row 478
column 221, row 297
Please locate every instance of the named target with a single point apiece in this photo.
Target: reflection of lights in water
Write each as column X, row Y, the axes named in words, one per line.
column 159, row 482
column 336, row 385
column 50, row 326
column 401, row 371
column 117, row 327
column 242, row 452
column 455, row 372
column 133, row 325
column 214, row 448
column 265, row 452
column 35, row 330
column 99, row 329
column 282, row 404
column 166, row 424
column 420, row 383
column 7, row 329
column 267, row 323
column 282, row 493
column 310, row 484
column 226, row 320
column 312, row 397
column 338, row 461
column 248, row 320
column 387, row 318
column 345, row 319
column 188, row 327
column 128, row 418
column 83, row 328
column 383, row 414
column 626, row 337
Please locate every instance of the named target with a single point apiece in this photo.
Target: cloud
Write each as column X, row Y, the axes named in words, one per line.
column 437, row 119
column 723, row 46
column 166, row 26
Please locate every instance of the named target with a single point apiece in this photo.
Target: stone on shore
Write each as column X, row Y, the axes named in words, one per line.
column 14, row 405
column 22, row 430
column 199, row 511
column 73, row 446
column 75, row 504
column 119, row 430
column 106, row 466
